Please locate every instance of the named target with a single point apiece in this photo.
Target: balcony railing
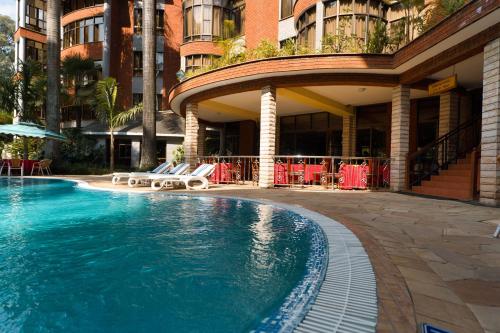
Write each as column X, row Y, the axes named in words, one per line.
column 327, row 172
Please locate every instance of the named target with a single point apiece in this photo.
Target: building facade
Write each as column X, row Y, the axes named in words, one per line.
column 110, row 33
column 363, row 80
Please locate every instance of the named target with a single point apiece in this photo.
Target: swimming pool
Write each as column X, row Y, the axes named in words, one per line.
column 91, row 261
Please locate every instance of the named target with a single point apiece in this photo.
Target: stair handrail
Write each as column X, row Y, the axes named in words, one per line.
column 443, row 142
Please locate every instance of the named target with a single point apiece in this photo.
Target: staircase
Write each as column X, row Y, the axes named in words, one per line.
column 457, row 182
column 448, row 167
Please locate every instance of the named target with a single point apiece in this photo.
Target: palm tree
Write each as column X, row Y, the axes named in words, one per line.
column 109, row 112
column 148, row 151
column 80, row 73
column 53, row 73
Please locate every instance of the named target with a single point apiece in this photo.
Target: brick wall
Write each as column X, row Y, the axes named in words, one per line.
column 173, row 38
column 490, row 136
column 261, row 21
column 122, row 18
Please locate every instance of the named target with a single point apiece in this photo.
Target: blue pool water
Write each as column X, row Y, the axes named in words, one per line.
column 75, row 260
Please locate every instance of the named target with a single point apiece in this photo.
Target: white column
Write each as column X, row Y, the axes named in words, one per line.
column 400, row 136
column 191, row 138
column 135, row 154
column 490, row 135
column 106, row 45
column 267, row 136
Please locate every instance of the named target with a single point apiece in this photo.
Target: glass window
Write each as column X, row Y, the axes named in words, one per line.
column 160, row 21
column 84, row 31
column 72, row 5
column 198, row 61
column 307, row 29
column 36, row 12
column 204, row 19
column 286, row 8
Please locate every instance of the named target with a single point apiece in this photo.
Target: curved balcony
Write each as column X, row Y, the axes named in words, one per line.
column 88, row 50
column 199, row 47
column 301, row 6
column 81, row 14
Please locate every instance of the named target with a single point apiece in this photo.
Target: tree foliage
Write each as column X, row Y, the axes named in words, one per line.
column 109, row 112
column 7, row 27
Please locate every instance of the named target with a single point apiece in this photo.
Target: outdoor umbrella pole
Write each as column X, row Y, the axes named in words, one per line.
column 25, row 148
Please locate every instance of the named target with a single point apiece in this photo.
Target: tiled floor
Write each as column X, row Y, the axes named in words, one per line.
column 435, row 260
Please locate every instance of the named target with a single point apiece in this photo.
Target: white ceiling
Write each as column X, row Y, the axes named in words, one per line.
column 469, row 72
column 347, row 95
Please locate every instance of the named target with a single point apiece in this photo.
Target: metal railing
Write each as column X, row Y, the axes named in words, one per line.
column 333, row 172
column 446, row 150
column 328, row 172
column 233, row 169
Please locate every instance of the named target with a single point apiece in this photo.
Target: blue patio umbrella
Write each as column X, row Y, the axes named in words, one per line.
column 30, row 130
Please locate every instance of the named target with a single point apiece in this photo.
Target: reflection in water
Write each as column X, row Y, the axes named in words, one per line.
column 113, row 262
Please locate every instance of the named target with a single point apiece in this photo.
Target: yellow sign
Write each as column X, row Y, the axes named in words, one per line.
column 443, row 85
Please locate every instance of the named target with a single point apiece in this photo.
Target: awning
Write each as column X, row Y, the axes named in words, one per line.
column 30, row 130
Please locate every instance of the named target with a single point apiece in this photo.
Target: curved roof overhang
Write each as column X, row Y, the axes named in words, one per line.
column 456, row 38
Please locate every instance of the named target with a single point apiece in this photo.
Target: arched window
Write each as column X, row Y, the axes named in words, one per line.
column 306, row 27
column 89, row 30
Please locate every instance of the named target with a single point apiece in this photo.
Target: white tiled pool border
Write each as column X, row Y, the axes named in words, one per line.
column 347, row 299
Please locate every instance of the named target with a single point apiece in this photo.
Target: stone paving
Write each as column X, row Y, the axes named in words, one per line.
column 435, row 260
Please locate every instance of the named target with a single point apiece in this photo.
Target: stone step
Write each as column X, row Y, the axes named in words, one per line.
column 459, row 194
column 451, row 178
column 438, row 182
column 456, row 172
column 460, row 166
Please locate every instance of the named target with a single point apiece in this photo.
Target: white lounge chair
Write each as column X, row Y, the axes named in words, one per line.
column 140, row 178
column 117, row 176
column 199, row 175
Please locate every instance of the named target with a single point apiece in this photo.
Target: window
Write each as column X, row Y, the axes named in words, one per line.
column 341, row 17
column 84, row 31
column 72, row 5
column 138, row 61
column 204, row 19
column 36, row 12
column 198, row 61
column 286, row 8
column 138, row 24
column 307, row 29
column 138, row 98
column 36, row 51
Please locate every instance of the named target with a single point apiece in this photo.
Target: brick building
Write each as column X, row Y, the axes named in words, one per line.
column 429, row 106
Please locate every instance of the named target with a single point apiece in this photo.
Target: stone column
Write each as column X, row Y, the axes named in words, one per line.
column 400, row 136
column 135, row 154
column 490, row 135
column 191, row 138
column 448, row 118
column 349, row 135
column 202, row 134
column 320, row 9
column 267, row 136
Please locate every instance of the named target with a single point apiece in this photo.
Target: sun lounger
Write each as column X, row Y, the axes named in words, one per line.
column 117, row 176
column 197, row 180
column 140, row 178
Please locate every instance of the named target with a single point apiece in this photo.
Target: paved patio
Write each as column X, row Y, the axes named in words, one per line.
column 435, row 260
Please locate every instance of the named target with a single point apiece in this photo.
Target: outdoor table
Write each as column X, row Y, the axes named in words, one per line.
column 281, row 174
column 353, row 176
column 222, row 173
